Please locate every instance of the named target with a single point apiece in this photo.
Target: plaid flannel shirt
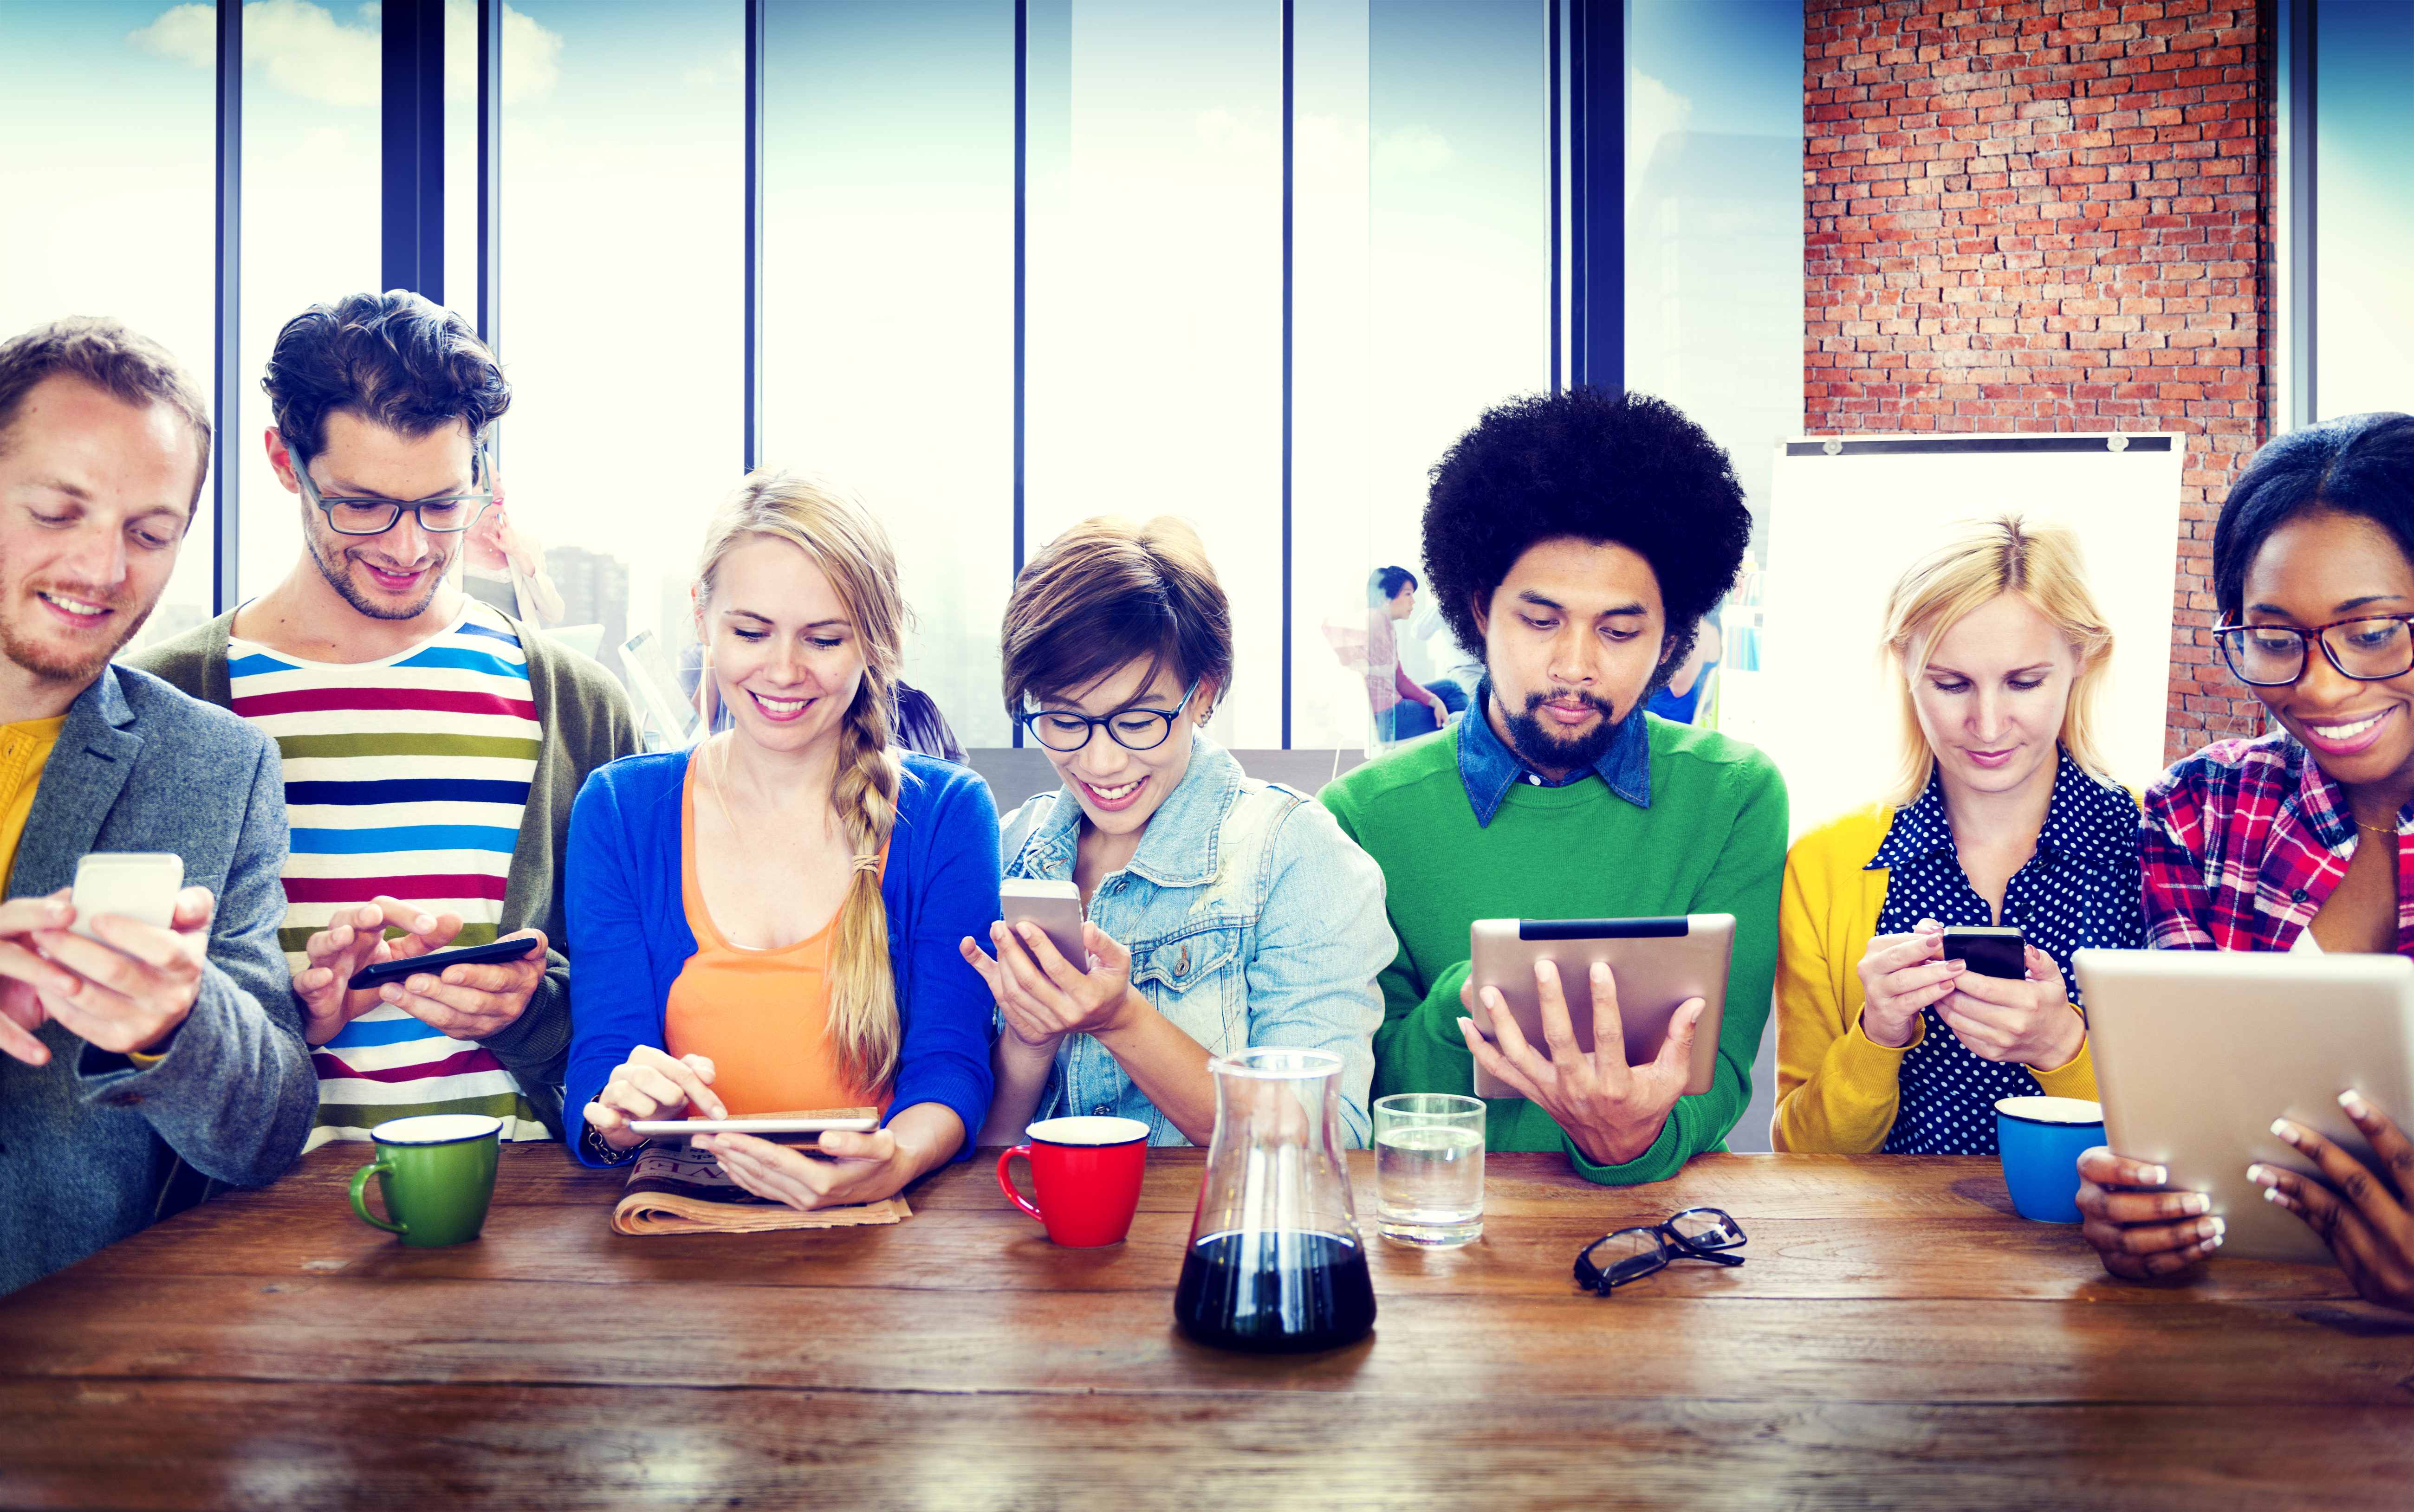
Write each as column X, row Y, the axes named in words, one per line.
column 2243, row 843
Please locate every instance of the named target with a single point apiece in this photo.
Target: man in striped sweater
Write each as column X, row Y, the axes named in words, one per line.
column 431, row 744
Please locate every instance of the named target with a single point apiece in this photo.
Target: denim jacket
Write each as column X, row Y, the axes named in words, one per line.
column 1251, row 920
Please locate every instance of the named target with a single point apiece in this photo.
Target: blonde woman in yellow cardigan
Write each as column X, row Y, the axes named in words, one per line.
column 2000, row 814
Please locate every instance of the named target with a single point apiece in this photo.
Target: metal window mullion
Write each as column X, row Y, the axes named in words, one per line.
column 410, row 43
column 1022, row 267
column 226, row 392
column 1290, row 202
column 1596, row 191
column 2300, row 403
column 490, row 194
column 756, row 21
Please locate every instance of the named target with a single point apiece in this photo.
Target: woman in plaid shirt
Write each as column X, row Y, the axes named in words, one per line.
column 2302, row 839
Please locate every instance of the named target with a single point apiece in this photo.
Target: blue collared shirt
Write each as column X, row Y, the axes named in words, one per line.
column 1487, row 767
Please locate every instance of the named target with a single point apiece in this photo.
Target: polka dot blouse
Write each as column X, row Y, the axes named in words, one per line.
column 2080, row 888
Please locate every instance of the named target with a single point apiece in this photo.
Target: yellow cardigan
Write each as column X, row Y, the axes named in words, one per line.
column 1837, row 1089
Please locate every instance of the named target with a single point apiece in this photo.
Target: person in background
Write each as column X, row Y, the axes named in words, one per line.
column 1462, row 671
column 1579, row 539
column 2000, row 813
column 180, row 1049
column 1680, row 700
column 1402, row 707
column 2301, row 839
column 771, row 915
column 1223, row 913
column 431, row 744
column 505, row 566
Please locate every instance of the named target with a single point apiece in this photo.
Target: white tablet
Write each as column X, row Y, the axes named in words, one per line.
column 2197, row 1051
column 751, row 1126
column 1658, row 963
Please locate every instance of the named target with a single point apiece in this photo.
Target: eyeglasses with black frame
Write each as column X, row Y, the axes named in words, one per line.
column 1629, row 1254
column 1064, row 732
column 445, row 515
column 2369, row 648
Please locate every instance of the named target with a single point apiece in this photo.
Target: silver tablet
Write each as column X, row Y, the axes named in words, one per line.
column 2197, row 1051
column 1658, row 963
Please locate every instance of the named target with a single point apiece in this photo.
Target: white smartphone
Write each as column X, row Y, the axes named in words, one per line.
column 753, row 1126
column 1055, row 907
column 135, row 885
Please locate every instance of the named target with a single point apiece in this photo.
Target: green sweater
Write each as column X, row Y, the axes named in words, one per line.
column 1713, row 841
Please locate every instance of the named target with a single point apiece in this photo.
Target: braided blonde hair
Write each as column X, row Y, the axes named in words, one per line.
column 829, row 523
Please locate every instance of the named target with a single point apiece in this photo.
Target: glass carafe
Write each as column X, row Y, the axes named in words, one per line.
column 1275, row 1263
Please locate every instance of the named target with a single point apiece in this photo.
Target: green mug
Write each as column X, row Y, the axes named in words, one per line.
column 437, row 1174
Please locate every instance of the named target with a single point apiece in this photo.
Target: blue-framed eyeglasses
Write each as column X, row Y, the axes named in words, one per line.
column 445, row 515
column 1064, row 732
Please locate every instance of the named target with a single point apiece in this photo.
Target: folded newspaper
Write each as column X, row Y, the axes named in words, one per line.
column 677, row 1189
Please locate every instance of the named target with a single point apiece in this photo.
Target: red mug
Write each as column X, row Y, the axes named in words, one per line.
column 1086, row 1172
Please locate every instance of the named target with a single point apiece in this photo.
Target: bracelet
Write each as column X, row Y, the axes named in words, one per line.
column 591, row 1138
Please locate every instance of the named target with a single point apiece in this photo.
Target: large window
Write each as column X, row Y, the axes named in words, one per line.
column 888, row 290
column 111, row 207
column 623, row 175
column 2364, row 186
column 1268, row 260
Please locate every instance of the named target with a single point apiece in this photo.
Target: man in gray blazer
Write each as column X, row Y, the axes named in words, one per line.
column 178, row 1048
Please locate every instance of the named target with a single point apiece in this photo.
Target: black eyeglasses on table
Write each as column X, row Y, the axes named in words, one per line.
column 2369, row 648
column 1628, row 1255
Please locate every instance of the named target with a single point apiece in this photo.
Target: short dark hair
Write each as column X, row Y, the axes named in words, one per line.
column 393, row 358
column 1107, row 593
column 2360, row 464
column 1385, row 582
column 114, row 358
column 1598, row 465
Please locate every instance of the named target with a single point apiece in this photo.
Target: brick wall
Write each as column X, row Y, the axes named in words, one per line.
column 2047, row 215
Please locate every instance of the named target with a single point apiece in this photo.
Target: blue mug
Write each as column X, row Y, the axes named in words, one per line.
column 2042, row 1138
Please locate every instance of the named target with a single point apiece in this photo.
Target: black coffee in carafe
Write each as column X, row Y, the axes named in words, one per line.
column 1275, row 1293
column 1275, row 1264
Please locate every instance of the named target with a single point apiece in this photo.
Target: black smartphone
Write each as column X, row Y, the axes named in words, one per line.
column 435, row 960
column 1989, row 952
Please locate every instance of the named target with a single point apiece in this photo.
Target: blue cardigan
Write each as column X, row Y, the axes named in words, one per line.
column 629, row 933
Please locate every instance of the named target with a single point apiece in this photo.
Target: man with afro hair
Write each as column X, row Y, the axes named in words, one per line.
column 1577, row 539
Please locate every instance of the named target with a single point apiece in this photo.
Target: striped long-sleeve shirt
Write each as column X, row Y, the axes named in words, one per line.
column 405, row 776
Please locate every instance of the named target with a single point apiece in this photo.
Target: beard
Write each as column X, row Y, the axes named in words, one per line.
column 52, row 665
column 340, row 579
column 1543, row 746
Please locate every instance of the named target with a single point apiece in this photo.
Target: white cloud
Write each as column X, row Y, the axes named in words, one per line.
column 1222, row 129
column 732, row 65
column 1414, row 149
column 1652, row 110
column 532, row 55
column 305, row 50
column 188, row 33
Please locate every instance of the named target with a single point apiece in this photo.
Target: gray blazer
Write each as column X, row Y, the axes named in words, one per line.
column 88, row 1141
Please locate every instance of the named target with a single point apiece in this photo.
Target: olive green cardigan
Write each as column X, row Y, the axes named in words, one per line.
column 586, row 723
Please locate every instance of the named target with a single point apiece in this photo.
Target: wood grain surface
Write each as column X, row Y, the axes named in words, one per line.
column 1898, row 1338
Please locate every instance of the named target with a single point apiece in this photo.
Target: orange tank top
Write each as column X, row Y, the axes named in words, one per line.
column 762, row 1016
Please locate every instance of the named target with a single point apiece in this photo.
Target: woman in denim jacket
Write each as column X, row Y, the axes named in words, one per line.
column 1222, row 911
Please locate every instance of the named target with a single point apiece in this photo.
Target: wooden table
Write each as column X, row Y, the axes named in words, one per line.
column 1898, row 1337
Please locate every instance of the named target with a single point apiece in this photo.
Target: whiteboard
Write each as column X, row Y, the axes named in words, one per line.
column 1848, row 514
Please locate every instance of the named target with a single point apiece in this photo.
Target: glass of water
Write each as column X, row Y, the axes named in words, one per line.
column 1429, row 1168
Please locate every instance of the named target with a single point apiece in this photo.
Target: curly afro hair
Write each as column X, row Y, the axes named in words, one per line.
column 1598, row 465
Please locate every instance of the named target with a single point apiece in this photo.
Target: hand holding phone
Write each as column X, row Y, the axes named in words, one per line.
column 140, row 886
column 469, row 1001
column 126, row 992
column 1999, row 953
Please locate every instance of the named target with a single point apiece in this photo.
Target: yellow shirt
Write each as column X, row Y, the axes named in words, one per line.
column 1837, row 1089
column 25, row 750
